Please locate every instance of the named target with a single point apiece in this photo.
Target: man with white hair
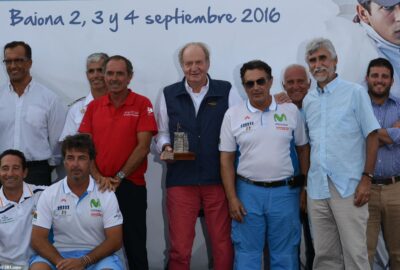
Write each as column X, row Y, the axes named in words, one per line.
column 296, row 83
column 342, row 130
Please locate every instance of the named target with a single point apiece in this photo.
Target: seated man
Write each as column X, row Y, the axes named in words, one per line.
column 87, row 224
column 17, row 202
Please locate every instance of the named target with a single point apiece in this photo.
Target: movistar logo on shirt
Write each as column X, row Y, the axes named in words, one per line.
column 280, row 118
column 95, row 203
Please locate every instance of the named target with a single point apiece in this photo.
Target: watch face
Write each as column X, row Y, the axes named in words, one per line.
column 120, row 175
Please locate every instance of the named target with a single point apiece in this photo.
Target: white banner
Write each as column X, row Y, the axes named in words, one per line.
column 63, row 33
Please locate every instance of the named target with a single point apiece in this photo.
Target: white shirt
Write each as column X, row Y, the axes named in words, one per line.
column 32, row 123
column 263, row 139
column 16, row 225
column 162, row 114
column 75, row 115
column 78, row 223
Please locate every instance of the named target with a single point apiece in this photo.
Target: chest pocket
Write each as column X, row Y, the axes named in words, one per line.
column 36, row 116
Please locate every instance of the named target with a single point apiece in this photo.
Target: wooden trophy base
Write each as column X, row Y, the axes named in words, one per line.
column 184, row 156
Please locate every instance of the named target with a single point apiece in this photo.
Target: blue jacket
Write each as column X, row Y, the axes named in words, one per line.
column 202, row 130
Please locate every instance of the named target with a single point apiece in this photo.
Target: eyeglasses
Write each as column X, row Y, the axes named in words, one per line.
column 250, row 84
column 17, row 61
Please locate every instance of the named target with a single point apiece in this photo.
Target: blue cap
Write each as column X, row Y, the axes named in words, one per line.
column 384, row 3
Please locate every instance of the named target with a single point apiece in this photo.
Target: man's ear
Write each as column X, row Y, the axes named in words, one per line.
column 363, row 14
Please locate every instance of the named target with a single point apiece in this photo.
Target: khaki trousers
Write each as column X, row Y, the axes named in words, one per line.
column 339, row 232
column 384, row 212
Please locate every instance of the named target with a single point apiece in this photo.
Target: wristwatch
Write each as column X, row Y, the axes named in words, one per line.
column 121, row 175
column 370, row 175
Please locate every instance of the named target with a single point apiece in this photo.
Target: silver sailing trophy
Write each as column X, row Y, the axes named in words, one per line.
column 181, row 146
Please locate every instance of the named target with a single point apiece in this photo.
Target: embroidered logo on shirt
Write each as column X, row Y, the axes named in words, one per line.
column 280, row 118
column 118, row 215
column 95, row 203
column 280, row 121
column 246, row 117
column 149, row 110
column 95, row 206
column 131, row 113
column 62, row 211
column 247, row 126
column 5, row 219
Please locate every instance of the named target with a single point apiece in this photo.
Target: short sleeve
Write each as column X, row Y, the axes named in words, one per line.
column 300, row 135
column 147, row 121
column 111, row 214
column 227, row 142
column 43, row 216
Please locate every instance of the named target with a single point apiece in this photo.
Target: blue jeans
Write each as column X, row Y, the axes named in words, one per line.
column 273, row 215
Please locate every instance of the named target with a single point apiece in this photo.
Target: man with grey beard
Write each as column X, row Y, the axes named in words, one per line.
column 342, row 130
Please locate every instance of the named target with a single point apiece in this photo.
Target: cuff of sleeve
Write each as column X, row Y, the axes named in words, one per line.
column 394, row 134
column 160, row 142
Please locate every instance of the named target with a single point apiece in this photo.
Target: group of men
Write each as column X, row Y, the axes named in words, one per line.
column 86, row 224
column 255, row 165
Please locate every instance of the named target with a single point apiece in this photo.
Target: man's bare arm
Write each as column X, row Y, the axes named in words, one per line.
column 361, row 195
column 236, row 209
column 138, row 155
column 40, row 243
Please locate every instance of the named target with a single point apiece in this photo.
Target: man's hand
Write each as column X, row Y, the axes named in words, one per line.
column 396, row 124
column 361, row 195
column 236, row 209
column 105, row 183
column 282, row 97
column 167, row 154
column 115, row 182
column 71, row 264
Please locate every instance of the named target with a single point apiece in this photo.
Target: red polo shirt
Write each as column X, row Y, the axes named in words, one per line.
column 114, row 131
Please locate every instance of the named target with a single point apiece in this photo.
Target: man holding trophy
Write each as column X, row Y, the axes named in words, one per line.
column 190, row 116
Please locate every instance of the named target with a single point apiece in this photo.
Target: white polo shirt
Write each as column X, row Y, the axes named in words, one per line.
column 262, row 139
column 16, row 225
column 78, row 223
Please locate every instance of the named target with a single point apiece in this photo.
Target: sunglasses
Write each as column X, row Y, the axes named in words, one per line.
column 250, row 84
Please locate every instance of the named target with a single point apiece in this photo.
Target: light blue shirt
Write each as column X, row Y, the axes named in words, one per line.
column 339, row 117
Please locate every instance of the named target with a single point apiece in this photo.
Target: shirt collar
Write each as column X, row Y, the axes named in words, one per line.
column 129, row 100
column 26, row 193
column 272, row 107
column 390, row 98
column 330, row 86
column 204, row 88
column 27, row 88
column 67, row 190
column 380, row 42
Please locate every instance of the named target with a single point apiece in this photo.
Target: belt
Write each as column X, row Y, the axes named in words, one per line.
column 386, row 181
column 296, row 181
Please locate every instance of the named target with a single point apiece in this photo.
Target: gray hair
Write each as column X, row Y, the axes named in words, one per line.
column 319, row 43
column 294, row 66
column 202, row 45
column 96, row 57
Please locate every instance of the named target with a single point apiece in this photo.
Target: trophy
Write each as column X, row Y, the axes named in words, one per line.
column 181, row 147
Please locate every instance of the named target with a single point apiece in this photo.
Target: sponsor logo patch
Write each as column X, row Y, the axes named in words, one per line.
column 131, row 114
